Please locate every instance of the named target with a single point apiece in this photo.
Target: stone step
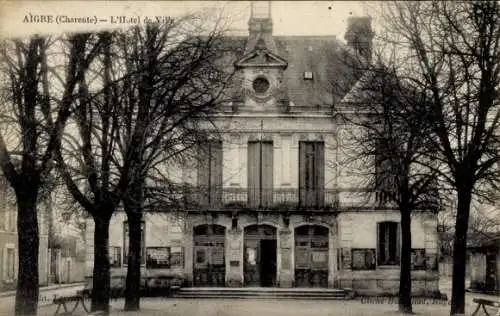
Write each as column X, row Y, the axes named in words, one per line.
column 270, row 297
column 271, row 293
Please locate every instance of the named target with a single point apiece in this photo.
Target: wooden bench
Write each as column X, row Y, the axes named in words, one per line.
column 78, row 299
column 485, row 302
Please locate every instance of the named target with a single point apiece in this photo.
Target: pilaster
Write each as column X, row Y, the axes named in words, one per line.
column 234, row 257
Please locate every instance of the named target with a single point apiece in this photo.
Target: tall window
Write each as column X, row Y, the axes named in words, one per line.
column 126, row 243
column 10, row 265
column 4, row 205
column 115, row 257
column 210, row 172
column 260, row 173
column 384, row 172
column 388, row 243
column 311, row 173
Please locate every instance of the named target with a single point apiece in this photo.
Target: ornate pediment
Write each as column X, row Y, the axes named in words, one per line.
column 261, row 58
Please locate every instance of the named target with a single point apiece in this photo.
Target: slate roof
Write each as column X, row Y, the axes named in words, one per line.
column 325, row 56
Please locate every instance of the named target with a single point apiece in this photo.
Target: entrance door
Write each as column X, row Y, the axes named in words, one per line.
column 268, row 262
column 209, row 264
column 260, row 256
column 311, row 256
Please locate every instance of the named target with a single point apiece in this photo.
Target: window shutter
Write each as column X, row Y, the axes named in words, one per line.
column 267, row 173
column 320, row 173
column 379, row 246
column 253, row 172
column 216, row 172
column 203, row 172
column 302, row 173
column 398, row 243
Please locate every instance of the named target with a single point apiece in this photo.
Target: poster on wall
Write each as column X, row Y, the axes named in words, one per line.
column 363, row 259
column 418, row 259
column 346, row 258
column 176, row 257
column 158, row 257
column 251, row 256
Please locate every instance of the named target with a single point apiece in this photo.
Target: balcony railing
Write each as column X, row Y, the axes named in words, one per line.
column 272, row 199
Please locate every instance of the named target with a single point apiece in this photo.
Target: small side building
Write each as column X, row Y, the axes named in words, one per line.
column 484, row 262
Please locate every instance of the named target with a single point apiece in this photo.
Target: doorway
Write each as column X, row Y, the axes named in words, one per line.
column 268, row 263
column 260, row 256
column 209, row 263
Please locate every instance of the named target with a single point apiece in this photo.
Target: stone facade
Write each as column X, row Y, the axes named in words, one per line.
column 339, row 241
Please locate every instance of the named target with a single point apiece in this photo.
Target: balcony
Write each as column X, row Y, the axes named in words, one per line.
column 266, row 199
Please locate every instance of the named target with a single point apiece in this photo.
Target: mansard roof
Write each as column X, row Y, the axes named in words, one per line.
column 324, row 56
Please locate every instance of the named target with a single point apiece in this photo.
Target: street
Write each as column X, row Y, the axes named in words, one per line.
column 248, row 307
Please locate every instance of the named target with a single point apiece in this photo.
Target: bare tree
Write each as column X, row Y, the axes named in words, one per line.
column 37, row 100
column 384, row 119
column 157, row 83
column 85, row 162
column 179, row 80
column 452, row 51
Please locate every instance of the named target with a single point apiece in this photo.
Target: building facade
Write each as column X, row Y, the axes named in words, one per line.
column 9, row 240
column 276, row 201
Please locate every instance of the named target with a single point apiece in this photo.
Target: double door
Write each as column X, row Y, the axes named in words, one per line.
column 209, row 262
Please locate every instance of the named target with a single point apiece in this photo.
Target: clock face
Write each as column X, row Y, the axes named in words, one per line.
column 260, row 85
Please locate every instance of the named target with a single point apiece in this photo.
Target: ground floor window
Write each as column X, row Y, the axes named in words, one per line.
column 388, row 243
column 115, row 257
column 10, row 264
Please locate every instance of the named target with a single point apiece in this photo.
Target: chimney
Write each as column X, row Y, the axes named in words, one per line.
column 260, row 26
column 359, row 36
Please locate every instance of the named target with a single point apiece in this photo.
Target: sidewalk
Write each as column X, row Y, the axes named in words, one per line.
column 45, row 288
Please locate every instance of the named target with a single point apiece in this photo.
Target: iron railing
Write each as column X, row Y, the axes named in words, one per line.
column 251, row 198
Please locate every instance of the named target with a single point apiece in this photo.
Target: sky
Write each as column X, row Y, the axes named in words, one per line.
column 17, row 18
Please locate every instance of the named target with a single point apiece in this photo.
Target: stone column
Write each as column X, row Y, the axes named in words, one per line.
column 285, row 269
column 234, row 258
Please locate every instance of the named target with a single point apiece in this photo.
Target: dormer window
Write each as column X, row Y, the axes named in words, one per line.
column 308, row 75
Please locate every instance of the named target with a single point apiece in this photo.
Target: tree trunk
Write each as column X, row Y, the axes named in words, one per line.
column 404, row 301
column 133, row 282
column 460, row 252
column 100, row 277
column 28, row 241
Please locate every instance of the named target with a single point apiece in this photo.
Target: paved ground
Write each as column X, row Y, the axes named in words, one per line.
column 46, row 296
column 251, row 307
column 243, row 307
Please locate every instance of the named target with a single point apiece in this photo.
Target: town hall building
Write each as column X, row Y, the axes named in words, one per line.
column 277, row 201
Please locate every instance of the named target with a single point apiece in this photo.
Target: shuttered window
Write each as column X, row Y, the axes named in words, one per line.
column 311, row 173
column 260, row 173
column 210, row 172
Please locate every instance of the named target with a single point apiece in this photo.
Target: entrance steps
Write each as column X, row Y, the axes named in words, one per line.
column 262, row 293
